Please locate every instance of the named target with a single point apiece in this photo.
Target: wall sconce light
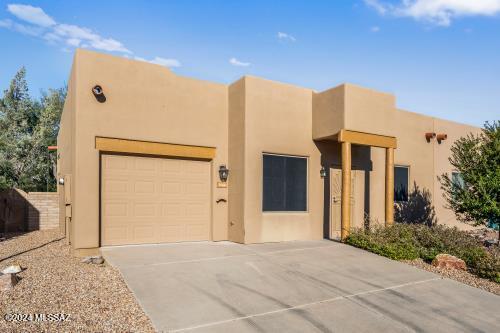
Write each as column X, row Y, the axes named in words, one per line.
column 441, row 137
column 223, row 173
column 61, row 181
column 99, row 94
column 429, row 136
column 322, row 172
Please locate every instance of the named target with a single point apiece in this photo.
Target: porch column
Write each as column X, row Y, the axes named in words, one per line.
column 389, row 186
column 346, row 190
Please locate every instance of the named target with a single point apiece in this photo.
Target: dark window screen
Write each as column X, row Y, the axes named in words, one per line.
column 285, row 183
column 401, row 183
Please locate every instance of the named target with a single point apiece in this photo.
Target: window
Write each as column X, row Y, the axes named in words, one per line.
column 457, row 179
column 285, row 183
column 401, row 178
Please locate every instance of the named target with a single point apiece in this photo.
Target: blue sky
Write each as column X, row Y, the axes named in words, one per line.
column 439, row 57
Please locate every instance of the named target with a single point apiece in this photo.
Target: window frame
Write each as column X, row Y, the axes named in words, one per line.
column 408, row 167
column 306, row 211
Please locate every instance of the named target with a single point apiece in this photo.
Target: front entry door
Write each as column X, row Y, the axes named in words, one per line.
column 336, row 200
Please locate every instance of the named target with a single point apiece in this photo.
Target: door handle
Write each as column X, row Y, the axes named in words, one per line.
column 220, row 200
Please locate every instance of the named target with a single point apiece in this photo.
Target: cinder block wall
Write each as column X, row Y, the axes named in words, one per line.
column 43, row 210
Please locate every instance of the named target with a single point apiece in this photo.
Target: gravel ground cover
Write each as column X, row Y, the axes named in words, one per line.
column 95, row 296
column 457, row 275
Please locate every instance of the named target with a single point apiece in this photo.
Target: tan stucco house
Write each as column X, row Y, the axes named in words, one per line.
column 143, row 155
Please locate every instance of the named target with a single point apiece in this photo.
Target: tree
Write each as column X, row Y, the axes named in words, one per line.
column 27, row 127
column 473, row 194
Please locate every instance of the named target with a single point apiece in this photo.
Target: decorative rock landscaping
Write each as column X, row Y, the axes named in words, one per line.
column 53, row 282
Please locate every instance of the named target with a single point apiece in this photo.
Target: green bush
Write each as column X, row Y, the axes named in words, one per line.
column 408, row 242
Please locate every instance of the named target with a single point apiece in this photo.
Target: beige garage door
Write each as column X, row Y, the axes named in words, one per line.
column 154, row 200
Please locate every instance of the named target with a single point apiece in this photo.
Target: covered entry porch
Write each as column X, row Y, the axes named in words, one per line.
column 348, row 157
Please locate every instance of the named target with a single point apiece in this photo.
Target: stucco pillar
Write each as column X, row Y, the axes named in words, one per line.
column 389, row 186
column 346, row 190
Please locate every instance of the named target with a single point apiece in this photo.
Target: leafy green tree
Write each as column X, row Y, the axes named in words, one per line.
column 27, row 127
column 474, row 195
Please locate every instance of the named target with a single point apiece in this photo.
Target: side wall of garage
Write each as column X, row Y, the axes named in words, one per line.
column 143, row 102
column 65, row 156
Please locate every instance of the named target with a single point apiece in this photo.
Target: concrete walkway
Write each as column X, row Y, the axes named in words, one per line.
column 317, row 286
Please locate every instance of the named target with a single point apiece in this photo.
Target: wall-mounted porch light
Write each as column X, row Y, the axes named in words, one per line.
column 223, row 173
column 99, row 93
column 322, row 172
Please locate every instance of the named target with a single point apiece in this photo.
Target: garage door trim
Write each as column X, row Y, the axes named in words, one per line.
column 105, row 144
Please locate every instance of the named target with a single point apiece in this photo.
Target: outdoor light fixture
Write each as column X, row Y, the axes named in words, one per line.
column 441, row 137
column 429, row 136
column 99, row 94
column 223, row 173
column 61, row 181
column 322, row 172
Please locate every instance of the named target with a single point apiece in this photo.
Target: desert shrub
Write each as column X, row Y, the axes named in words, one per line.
column 410, row 241
column 394, row 243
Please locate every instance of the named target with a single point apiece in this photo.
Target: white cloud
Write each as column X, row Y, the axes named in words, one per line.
column 74, row 42
column 285, row 36
column 6, row 24
column 166, row 62
column 21, row 28
column 236, row 62
column 379, row 7
column 439, row 12
column 30, row 14
column 375, row 29
column 161, row 61
column 69, row 36
column 88, row 37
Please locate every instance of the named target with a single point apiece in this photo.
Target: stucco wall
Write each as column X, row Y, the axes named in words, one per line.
column 442, row 165
column 328, row 112
column 236, row 191
column 278, row 119
column 65, row 148
column 369, row 111
column 143, row 102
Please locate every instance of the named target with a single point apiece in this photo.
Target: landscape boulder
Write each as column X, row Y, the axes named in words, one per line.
column 7, row 281
column 448, row 261
column 98, row 260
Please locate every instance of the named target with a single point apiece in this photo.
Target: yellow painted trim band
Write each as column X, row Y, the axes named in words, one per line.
column 153, row 148
column 367, row 139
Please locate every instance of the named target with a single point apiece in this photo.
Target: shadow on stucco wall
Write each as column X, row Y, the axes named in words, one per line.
column 417, row 210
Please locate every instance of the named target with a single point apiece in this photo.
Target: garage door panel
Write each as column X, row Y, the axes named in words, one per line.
column 115, row 163
column 151, row 200
column 114, row 209
column 147, row 165
column 144, row 187
column 171, row 166
column 173, row 187
column 145, row 210
column 172, row 209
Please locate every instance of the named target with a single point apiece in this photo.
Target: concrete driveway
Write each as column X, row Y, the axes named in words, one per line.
column 317, row 286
